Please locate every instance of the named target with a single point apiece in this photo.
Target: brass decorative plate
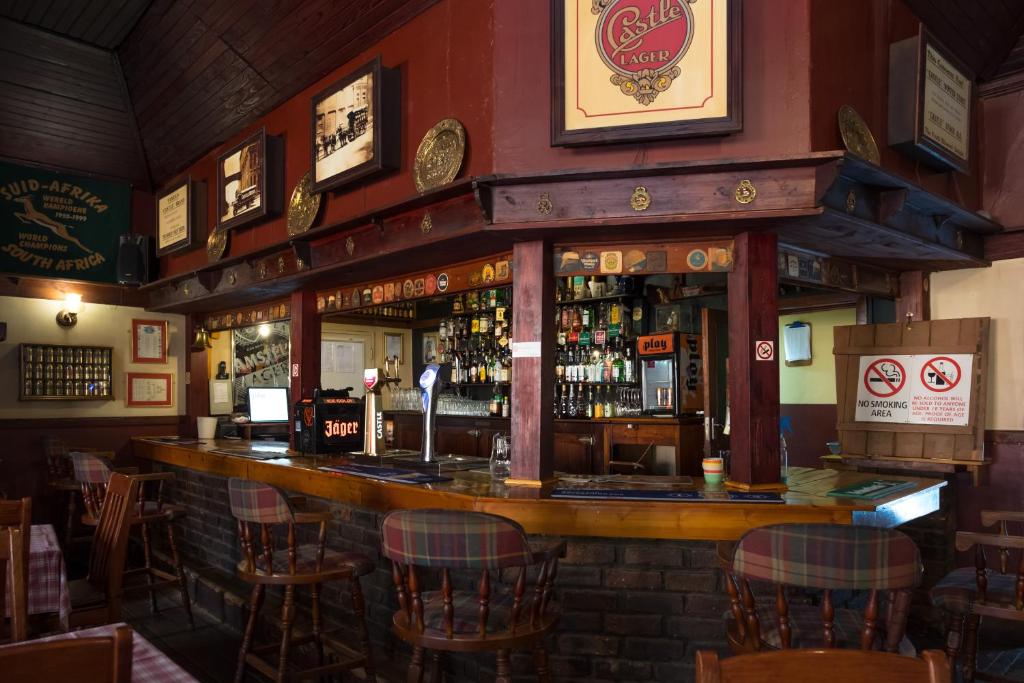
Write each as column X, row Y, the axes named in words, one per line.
column 303, row 206
column 216, row 245
column 856, row 135
column 439, row 156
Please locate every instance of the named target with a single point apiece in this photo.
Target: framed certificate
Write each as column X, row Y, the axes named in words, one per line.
column 149, row 341
column 180, row 216
column 149, row 389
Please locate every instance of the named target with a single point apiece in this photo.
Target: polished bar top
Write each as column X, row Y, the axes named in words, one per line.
column 806, row 500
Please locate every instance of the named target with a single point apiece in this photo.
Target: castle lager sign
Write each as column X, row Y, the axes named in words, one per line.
column 645, row 69
column 59, row 225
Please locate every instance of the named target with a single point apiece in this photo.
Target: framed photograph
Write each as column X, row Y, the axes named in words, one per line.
column 931, row 102
column 668, row 318
column 393, row 347
column 180, row 216
column 631, row 70
column 149, row 389
column 250, row 181
column 149, row 341
column 356, row 127
column 430, row 342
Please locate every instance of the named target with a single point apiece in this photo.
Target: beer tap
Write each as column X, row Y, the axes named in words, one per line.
column 374, row 379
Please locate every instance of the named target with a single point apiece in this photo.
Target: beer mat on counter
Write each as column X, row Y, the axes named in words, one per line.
column 669, row 496
column 180, row 440
column 389, row 474
column 631, row 479
column 252, row 454
column 872, row 489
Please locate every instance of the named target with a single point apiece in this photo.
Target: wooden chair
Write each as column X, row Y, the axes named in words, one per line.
column 82, row 660
column 92, row 473
column 814, row 666
column 826, row 558
column 60, row 477
column 261, row 507
column 490, row 618
column 969, row 593
column 96, row 599
column 11, row 544
column 15, row 515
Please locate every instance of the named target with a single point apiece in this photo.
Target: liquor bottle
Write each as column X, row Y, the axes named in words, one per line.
column 588, row 407
column 607, row 369
column 618, row 368
column 456, row 377
column 598, row 408
column 571, row 407
column 506, row 369
column 629, row 368
column 494, row 410
column 492, row 298
column 506, row 407
column 609, row 405
column 474, row 369
column 482, row 370
column 560, row 365
column 563, row 402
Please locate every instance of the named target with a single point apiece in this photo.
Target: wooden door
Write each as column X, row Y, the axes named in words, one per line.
column 575, row 446
column 715, row 370
column 458, row 437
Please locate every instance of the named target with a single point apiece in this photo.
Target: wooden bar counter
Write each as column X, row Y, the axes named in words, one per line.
column 806, row 500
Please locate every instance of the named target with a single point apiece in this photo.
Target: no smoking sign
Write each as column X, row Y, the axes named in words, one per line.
column 764, row 350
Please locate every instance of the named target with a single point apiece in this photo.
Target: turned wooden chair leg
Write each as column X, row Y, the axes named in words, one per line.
column 255, row 602
column 179, row 571
column 540, row 661
column 287, row 619
column 415, row 674
column 970, row 646
column 147, row 559
column 954, row 638
column 503, row 673
column 69, row 526
column 435, row 667
column 315, row 594
column 359, row 610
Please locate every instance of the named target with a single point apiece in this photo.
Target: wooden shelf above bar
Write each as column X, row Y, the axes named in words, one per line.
column 806, row 501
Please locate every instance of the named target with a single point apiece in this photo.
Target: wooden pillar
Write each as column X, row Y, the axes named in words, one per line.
column 914, row 298
column 533, row 364
column 197, row 369
column 753, row 381
column 305, row 349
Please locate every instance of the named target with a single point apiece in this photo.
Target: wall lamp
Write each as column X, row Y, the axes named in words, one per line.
column 67, row 317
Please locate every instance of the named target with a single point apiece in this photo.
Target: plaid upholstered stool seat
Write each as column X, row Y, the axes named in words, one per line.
column 958, row 590
column 820, row 557
column 490, row 617
column 259, row 509
column 93, row 475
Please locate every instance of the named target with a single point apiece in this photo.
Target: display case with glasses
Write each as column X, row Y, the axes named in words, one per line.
column 51, row 372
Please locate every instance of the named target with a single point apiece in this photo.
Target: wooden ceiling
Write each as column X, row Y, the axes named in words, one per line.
column 100, row 23
column 198, row 72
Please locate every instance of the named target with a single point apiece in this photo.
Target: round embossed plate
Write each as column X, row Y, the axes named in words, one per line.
column 439, row 156
column 216, row 245
column 856, row 135
column 303, row 206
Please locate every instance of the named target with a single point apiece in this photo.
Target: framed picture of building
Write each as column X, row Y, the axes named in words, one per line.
column 356, row 127
column 180, row 216
column 249, row 181
column 630, row 70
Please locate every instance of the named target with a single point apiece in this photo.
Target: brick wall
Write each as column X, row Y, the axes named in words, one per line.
column 632, row 609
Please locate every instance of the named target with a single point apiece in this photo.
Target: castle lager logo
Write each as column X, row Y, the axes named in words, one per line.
column 642, row 42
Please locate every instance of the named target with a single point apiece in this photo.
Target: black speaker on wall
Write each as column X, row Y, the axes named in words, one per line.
column 135, row 260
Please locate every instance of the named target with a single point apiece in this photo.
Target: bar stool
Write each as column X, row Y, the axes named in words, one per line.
column 491, row 618
column 254, row 503
column 93, row 475
column 825, row 557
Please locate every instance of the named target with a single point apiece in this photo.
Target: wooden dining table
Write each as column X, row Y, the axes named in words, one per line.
column 47, row 579
column 149, row 664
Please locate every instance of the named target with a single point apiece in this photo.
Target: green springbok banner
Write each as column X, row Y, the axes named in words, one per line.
column 54, row 224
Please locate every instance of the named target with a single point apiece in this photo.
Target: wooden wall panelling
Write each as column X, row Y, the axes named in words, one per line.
column 305, row 349
column 197, row 372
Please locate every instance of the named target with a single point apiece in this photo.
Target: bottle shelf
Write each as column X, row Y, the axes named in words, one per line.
column 591, row 299
column 598, row 384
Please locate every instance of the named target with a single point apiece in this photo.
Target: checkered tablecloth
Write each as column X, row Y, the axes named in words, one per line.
column 47, row 581
column 149, row 665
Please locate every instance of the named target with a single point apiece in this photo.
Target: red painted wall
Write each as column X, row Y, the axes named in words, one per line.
column 444, row 56
column 776, row 64
column 1003, row 162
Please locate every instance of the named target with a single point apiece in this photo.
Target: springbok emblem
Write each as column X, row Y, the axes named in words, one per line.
column 33, row 215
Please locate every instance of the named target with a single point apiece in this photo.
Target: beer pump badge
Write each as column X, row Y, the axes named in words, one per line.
column 370, row 378
column 642, row 42
column 427, row 378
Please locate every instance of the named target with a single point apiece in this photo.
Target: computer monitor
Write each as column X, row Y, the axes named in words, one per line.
column 268, row 404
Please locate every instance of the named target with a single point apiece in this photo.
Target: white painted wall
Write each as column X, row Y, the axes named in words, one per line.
column 996, row 292
column 34, row 321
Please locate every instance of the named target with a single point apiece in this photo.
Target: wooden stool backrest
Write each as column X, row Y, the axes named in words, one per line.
column 110, row 541
column 58, row 466
column 105, row 659
column 813, row 666
column 1007, row 547
column 452, row 539
column 258, row 508
column 93, row 473
column 826, row 557
column 15, row 514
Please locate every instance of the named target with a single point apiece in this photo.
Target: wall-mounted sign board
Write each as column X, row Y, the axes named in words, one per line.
column 914, row 391
column 931, row 96
column 644, row 259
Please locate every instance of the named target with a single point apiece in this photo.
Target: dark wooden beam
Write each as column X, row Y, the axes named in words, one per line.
column 753, row 383
column 914, row 299
column 197, row 393
column 305, row 349
column 533, row 364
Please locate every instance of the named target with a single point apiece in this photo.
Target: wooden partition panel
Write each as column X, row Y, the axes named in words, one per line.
column 304, row 364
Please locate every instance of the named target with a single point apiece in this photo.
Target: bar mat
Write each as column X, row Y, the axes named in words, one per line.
column 252, row 455
column 388, row 474
column 179, row 440
column 668, row 496
column 872, row 489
